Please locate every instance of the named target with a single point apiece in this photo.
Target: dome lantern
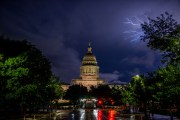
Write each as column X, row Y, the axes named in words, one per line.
column 89, row 58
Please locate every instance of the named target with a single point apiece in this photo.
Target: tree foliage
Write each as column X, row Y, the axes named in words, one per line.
column 161, row 86
column 168, row 85
column 12, row 75
column 136, row 92
column 128, row 96
column 163, row 34
column 75, row 92
column 25, row 75
column 116, row 94
column 101, row 91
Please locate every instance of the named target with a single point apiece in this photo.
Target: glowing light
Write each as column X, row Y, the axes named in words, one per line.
column 82, row 113
column 100, row 102
column 100, row 114
column 95, row 113
column 135, row 25
column 111, row 115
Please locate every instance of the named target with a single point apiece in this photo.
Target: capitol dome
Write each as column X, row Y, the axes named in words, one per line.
column 89, row 58
column 89, row 71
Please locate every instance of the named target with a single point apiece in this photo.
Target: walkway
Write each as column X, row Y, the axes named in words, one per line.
column 163, row 117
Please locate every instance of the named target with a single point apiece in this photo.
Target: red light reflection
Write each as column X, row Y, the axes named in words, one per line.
column 111, row 115
column 100, row 114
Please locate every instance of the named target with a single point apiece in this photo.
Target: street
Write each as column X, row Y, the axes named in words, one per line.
column 100, row 114
column 93, row 114
column 89, row 114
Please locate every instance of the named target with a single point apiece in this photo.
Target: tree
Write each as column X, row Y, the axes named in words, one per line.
column 101, row 91
column 75, row 92
column 12, row 75
column 116, row 94
column 163, row 34
column 168, row 84
column 136, row 93
column 54, row 91
column 25, row 75
column 128, row 96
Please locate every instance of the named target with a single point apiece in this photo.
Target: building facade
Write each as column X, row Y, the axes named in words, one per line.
column 89, row 71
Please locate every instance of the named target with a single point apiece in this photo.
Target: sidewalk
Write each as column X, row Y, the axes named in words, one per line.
column 162, row 117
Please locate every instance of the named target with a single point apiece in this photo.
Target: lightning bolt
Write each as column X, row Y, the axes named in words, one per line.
column 135, row 25
column 131, row 22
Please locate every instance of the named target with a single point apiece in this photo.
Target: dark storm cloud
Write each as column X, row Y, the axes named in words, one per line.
column 115, row 76
column 46, row 31
column 147, row 60
column 62, row 30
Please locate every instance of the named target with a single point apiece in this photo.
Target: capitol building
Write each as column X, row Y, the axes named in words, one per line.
column 89, row 71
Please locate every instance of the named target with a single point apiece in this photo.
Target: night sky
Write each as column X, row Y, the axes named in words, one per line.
column 62, row 30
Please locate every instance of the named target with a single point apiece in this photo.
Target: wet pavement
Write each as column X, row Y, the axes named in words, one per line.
column 90, row 114
column 162, row 117
column 93, row 114
column 101, row 114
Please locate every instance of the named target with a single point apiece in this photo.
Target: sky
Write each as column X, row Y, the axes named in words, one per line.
column 62, row 30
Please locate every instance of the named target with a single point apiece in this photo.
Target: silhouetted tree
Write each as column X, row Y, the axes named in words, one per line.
column 101, row 91
column 25, row 76
column 163, row 34
column 116, row 94
column 75, row 92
